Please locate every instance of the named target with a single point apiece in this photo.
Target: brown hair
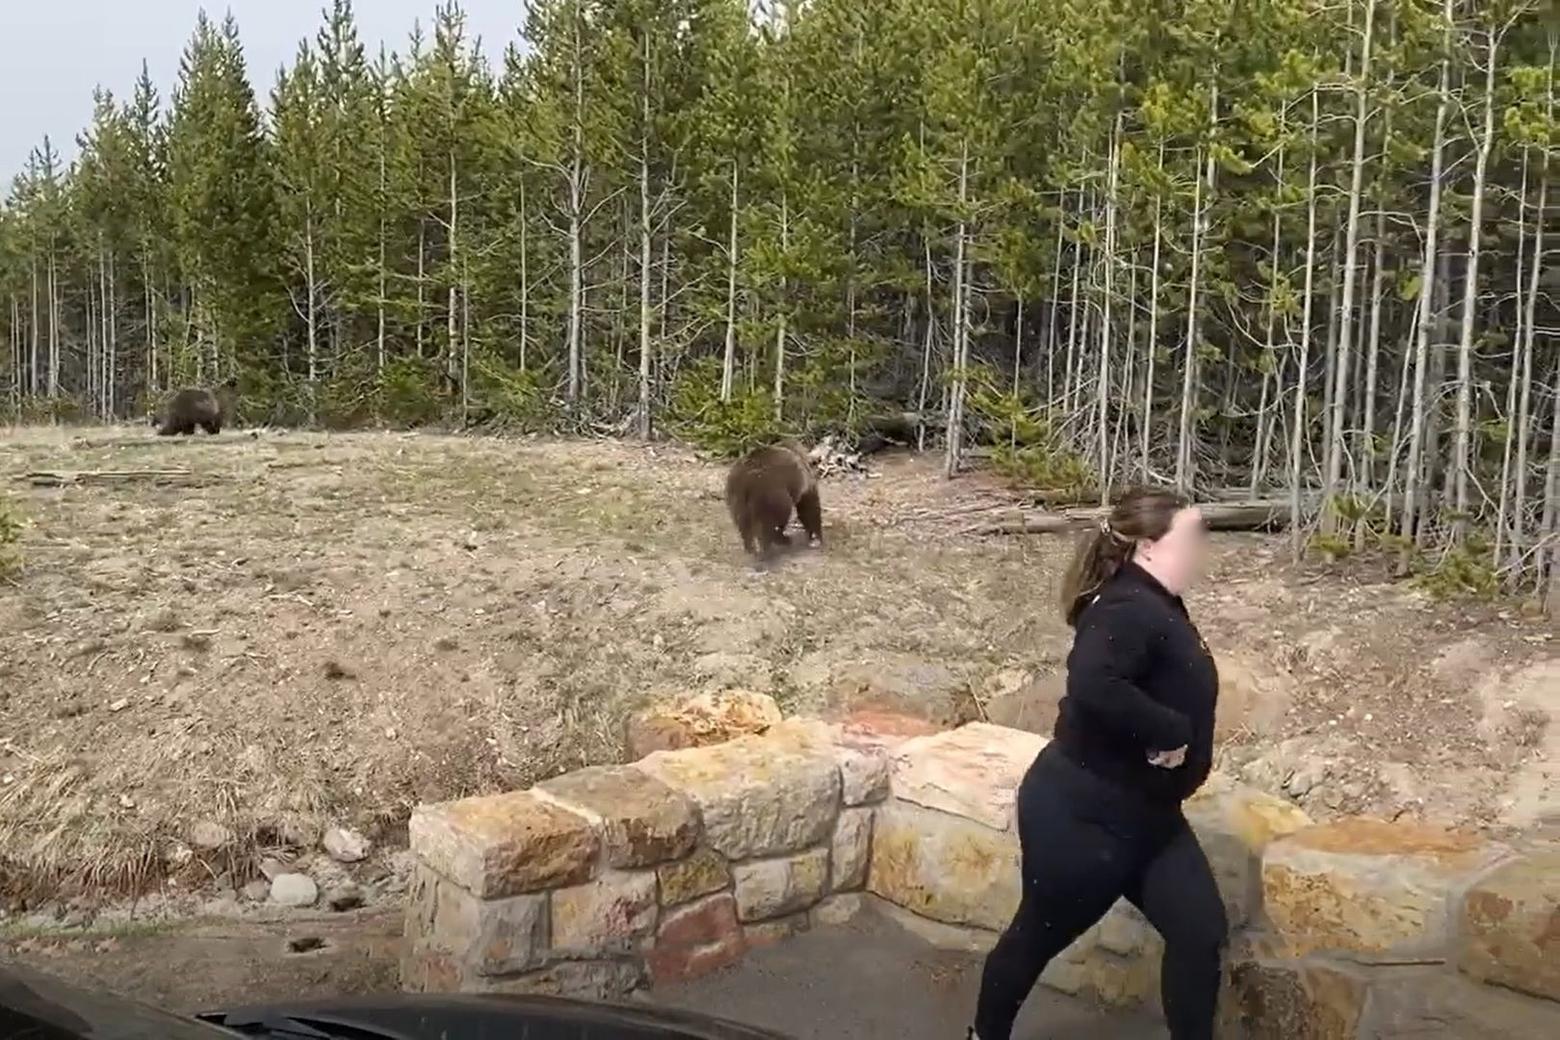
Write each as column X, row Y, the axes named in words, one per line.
column 1142, row 515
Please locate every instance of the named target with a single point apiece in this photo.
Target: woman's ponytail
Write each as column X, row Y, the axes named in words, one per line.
column 1142, row 515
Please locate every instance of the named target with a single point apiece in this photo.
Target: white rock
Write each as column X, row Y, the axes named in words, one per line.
column 346, row 846
column 294, row 890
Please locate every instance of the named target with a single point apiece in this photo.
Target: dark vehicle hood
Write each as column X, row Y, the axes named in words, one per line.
column 35, row 1005
column 490, row 1017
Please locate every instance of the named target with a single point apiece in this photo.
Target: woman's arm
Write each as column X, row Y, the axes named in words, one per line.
column 1110, row 653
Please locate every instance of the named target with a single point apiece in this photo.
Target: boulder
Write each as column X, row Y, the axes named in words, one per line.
column 345, row 845
column 504, row 845
column 642, row 821
column 1511, row 926
column 702, row 872
column 1292, row 1000
column 294, row 890
column 1368, row 888
column 607, row 917
column 1235, row 824
column 696, row 939
column 850, row 849
column 756, row 797
column 972, row 772
column 949, row 869
column 769, row 888
column 453, row 938
column 699, row 721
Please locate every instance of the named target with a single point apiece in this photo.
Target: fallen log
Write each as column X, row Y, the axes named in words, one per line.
column 1257, row 515
column 54, row 478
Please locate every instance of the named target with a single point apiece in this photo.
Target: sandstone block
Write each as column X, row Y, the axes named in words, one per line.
column 1371, row 889
column 610, row 916
column 696, row 939
column 702, row 872
column 1292, row 1000
column 943, row 867
column 1125, row 932
column 955, row 937
column 863, row 776
column 453, row 937
column 643, row 822
column 863, row 765
column 699, row 721
column 850, row 849
column 1235, row 824
column 1087, row 969
column 1511, row 926
column 1433, row 1005
column 973, row 771
column 756, row 797
column 769, row 888
column 504, row 845
column 882, row 731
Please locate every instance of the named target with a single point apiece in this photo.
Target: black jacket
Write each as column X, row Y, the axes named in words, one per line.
column 1139, row 679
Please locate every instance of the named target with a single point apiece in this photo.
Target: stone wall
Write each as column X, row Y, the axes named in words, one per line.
column 606, row 879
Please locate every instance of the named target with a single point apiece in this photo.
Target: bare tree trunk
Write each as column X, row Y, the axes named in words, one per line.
column 1153, row 321
column 1056, row 296
column 380, row 302
column 1549, row 527
column 1297, row 434
column 1367, row 463
column 644, row 247
column 452, row 359
column 1184, row 462
column 728, row 370
column 422, row 286
column 310, row 315
column 1395, row 444
column 525, row 281
column 1530, row 325
column 1462, row 446
column 1425, row 323
column 926, row 345
column 1259, row 456
column 955, row 443
column 1103, row 397
column 1341, row 369
column 1503, row 510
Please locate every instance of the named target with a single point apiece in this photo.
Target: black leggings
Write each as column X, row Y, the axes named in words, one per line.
column 1085, row 843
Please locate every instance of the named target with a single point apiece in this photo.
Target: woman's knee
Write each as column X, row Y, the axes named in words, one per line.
column 1205, row 932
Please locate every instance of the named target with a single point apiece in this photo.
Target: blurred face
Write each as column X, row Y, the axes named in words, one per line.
column 1177, row 559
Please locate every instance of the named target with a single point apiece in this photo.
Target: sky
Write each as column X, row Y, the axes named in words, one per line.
column 58, row 50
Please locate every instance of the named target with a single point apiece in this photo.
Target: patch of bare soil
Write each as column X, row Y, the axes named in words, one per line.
column 274, row 632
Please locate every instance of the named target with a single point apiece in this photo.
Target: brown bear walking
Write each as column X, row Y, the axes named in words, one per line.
column 762, row 490
column 198, row 407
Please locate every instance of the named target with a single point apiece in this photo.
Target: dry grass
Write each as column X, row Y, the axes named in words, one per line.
column 333, row 628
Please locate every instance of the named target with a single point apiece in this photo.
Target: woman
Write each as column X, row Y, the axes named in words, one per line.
column 1099, row 812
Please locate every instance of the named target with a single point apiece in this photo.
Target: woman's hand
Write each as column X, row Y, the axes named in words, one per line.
column 1168, row 759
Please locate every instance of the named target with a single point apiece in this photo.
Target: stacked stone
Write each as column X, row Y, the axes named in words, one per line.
column 1386, row 930
column 602, row 879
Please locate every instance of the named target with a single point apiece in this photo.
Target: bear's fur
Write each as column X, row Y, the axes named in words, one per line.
column 198, row 407
column 764, row 487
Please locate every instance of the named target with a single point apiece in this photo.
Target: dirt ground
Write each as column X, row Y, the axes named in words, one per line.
column 234, row 642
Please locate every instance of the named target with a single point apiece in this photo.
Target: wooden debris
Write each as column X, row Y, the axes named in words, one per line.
column 64, row 478
column 1255, row 515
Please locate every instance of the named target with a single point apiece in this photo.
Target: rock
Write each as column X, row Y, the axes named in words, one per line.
column 1371, row 889
column 1235, row 824
column 837, row 909
column 973, row 771
column 1511, row 926
column 883, row 731
column 953, row 937
column 701, row 873
column 503, row 845
column 850, row 849
column 1290, row 1000
column 453, row 938
column 609, row 916
column 775, row 887
column 346, row 846
column 943, row 867
column 294, row 890
column 210, row 836
column 256, row 891
column 1431, row 1005
column 756, row 797
column 699, row 721
column 1086, row 969
column 343, row 897
column 864, row 776
column 643, row 822
column 696, row 939
column 1125, row 932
